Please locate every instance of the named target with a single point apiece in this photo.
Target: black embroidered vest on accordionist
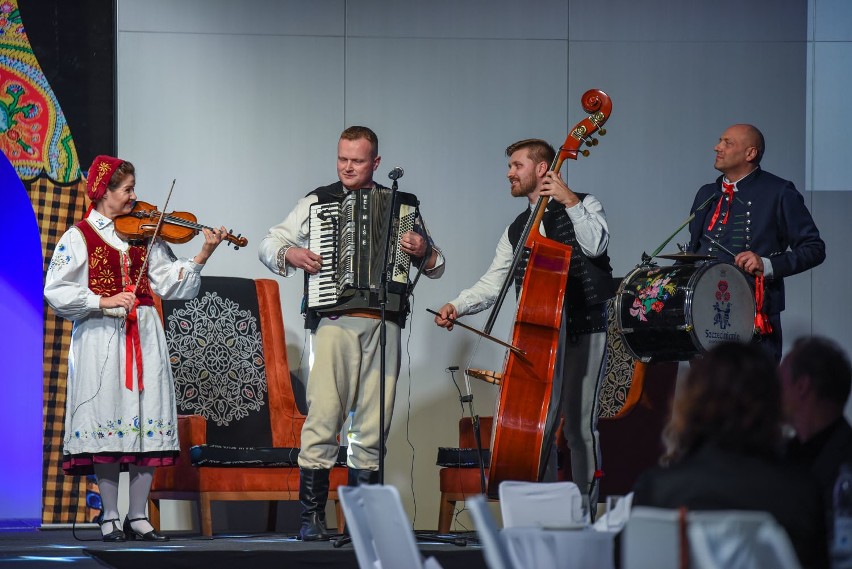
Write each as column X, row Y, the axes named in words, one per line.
column 589, row 279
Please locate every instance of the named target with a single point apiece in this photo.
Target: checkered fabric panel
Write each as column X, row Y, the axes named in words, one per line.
column 57, row 207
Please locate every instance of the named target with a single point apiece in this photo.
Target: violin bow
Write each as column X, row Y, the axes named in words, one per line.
column 154, row 236
column 506, row 345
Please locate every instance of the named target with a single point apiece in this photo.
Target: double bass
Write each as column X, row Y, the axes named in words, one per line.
column 523, row 418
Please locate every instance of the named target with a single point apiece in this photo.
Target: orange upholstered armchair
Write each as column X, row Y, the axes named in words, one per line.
column 239, row 423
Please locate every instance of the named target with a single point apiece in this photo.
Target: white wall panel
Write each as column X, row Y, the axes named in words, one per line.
column 832, row 121
column 678, row 21
column 254, row 17
column 829, row 304
column 533, row 19
column 832, row 20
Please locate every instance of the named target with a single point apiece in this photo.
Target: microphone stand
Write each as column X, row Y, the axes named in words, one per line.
column 395, row 175
column 383, row 300
column 383, row 296
column 477, row 432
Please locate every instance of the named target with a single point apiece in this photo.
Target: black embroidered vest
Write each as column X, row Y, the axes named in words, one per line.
column 589, row 279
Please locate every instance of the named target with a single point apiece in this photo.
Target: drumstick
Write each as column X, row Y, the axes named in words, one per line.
column 728, row 251
column 719, row 245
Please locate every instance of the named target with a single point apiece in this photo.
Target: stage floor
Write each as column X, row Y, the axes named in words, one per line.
column 54, row 548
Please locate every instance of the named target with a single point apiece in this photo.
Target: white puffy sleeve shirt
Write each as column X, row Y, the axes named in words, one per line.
column 590, row 228
column 67, row 283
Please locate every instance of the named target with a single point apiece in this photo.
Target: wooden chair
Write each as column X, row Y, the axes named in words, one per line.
column 239, row 424
column 462, row 479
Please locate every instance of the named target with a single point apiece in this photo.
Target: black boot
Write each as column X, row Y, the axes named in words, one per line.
column 313, row 494
column 358, row 477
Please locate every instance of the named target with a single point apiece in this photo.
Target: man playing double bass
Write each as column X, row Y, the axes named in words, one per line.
column 577, row 220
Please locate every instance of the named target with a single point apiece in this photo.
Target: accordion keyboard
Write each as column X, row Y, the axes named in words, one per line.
column 323, row 287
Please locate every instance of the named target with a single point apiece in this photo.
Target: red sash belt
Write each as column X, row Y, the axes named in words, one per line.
column 133, row 343
column 761, row 320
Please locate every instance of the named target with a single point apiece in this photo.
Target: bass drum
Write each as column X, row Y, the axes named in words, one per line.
column 673, row 313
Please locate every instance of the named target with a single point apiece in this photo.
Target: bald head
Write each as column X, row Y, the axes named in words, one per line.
column 739, row 151
column 753, row 137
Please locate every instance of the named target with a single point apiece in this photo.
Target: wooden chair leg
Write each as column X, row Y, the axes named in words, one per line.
column 272, row 516
column 338, row 514
column 154, row 513
column 445, row 514
column 205, row 515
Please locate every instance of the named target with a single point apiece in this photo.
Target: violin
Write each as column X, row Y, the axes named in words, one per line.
column 177, row 226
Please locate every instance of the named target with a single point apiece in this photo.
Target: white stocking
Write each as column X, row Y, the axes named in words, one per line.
column 140, row 486
column 107, row 474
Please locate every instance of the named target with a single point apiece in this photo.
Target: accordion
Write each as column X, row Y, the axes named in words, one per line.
column 352, row 237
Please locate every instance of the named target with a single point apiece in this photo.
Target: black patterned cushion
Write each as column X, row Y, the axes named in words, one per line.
column 462, row 457
column 219, row 455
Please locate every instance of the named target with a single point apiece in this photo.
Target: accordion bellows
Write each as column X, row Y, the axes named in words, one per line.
column 352, row 237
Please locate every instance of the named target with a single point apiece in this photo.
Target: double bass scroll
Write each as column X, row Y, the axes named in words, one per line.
column 523, row 415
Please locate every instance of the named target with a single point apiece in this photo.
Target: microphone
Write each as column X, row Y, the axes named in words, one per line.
column 396, row 173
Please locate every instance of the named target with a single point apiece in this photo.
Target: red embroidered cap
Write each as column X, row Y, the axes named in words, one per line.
column 100, row 172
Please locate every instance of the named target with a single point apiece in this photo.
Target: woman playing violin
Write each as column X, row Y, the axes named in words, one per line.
column 120, row 405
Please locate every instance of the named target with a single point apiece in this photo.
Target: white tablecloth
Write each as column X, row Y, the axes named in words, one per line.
column 560, row 549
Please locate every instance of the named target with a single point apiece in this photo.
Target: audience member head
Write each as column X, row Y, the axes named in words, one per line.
column 816, row 377
column 730, row 398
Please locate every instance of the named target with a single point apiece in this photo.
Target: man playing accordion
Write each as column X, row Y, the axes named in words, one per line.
column 345, row 376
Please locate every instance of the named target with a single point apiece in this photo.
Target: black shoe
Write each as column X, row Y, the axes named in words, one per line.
column 132, row 534
column 313, row 528
column 313, row 494
column 116, row 534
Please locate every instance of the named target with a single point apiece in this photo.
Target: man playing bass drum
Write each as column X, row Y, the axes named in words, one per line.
column 577, row 220
column 762, row 220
